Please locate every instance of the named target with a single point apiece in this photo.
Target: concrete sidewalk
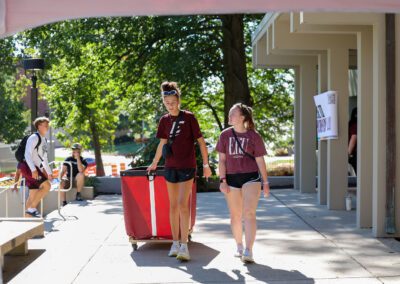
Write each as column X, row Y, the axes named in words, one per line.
column 298, row 242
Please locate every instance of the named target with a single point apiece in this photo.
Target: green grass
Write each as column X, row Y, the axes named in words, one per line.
column 283, row 167
column 7, row 171
column 281, row 162
column 123, row 148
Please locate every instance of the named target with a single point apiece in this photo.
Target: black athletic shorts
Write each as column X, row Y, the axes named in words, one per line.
column 238, row 180
column 179, row 175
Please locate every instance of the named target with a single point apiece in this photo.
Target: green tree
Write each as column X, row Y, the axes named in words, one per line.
column 84, row 101
column 210, row 56
column 13, row 124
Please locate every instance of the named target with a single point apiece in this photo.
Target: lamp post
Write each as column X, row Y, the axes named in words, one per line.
column 50, row 153
column 33, row 65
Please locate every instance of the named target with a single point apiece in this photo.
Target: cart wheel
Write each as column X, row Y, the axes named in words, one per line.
column 134, row 243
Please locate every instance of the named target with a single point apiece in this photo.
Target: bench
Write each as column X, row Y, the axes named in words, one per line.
column 50, row 202
column 15, row 233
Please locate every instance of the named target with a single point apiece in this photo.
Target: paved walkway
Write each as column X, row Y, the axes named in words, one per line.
column 298, row 242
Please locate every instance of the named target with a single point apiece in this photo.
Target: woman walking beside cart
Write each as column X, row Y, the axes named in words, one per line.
column 242, row 169
column 178, row 130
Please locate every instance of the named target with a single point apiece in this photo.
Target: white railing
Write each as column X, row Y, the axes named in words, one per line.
column 56, row 186
column 6, row 189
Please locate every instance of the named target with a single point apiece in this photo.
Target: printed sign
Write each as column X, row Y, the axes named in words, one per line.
column 327, row 120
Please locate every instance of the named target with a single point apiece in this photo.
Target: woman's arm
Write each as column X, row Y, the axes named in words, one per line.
column 158, row 155
column 263, row 171
column 352, row 144
column 204, row 155
column 223, row 187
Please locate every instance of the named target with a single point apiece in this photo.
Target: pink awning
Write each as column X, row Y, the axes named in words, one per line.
column 18, row 15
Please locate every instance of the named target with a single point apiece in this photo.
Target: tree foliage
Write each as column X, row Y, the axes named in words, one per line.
column 13, row 124
column 115, row 65
column 84, row 100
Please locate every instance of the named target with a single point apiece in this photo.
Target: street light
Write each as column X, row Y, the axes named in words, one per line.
column 33, row 65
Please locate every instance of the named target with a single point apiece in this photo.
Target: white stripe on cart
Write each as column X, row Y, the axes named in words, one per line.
column 153, row 207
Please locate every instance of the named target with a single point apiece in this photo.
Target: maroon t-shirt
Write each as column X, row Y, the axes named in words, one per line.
column 236, row 161
column 188, row 132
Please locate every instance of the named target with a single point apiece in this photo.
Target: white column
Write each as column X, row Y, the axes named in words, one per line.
column 308, row 166
column 379, row 129
column 338, row 62
column 322, row 170
column 296, row 180
column 397, row 193
column 322, row 144
column 2, row 16
column 364, row 131
column 1, row 267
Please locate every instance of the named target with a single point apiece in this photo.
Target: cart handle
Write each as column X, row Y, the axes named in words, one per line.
column 151, row 175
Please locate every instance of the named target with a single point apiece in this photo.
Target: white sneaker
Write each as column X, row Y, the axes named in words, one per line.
column 239, row 251
column 173, row 252
column 247, row 256
column 183, row 254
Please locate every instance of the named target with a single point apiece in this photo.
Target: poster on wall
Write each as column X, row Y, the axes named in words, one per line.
column 327, row 120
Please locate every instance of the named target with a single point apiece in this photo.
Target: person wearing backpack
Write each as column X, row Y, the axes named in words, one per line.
column 34, row 165
column 178, row 130
column 242, row 169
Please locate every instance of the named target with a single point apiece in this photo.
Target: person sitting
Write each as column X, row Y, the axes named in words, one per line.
column 78, row 173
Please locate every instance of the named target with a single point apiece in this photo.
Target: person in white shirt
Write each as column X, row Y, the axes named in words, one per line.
column 35, row 167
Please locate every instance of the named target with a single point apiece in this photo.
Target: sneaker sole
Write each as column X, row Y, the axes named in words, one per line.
column 32, row 215
column 182, row 258
column 173, row 255
column 247, row 260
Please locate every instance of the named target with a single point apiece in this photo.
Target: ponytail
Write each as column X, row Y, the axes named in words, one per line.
column 247, row 112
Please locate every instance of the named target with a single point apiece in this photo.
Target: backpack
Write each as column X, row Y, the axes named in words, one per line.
column 20, row 152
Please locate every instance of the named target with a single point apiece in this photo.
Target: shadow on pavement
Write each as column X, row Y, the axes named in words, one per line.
column 147, row 253
column 265, row 273
column 15, row 264
column 154, row 255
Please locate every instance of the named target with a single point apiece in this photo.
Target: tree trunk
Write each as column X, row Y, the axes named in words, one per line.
column 97, row 150
column 236, row 86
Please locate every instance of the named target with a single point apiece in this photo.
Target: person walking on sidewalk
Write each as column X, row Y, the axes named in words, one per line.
column 77, row 176
column 242, row 170
column 178, row 130
column 35, row 167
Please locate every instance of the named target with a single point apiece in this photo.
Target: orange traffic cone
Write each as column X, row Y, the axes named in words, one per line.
column 122, row 167
column 91, row 171
column 114, row 170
